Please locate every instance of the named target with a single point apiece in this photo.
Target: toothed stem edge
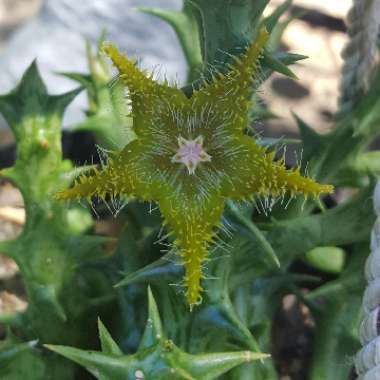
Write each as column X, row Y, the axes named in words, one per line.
column 367, row 361
column 360, row 53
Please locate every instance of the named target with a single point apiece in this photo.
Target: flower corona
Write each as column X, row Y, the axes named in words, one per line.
column 191, row 153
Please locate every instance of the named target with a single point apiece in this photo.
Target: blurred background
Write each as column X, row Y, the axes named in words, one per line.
column 54, row 32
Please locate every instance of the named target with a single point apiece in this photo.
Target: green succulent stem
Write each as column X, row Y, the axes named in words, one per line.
column 46, row 251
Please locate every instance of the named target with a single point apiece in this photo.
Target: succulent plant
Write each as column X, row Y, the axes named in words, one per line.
column 226, row 247
column 156, row 358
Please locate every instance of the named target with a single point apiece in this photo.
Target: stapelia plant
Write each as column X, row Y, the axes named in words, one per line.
column 191, row 154
column 191, row 151
column 50, row 251
column 169, row 360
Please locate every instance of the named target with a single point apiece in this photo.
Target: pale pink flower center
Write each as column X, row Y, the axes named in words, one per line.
column 191, row 153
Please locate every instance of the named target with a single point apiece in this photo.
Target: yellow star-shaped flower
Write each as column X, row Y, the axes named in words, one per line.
column 191, row 154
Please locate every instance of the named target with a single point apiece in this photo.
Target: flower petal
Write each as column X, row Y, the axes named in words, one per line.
column 252, row 170
column 193, row 221
column 123, row 175
column 147, row 95
column 230, row 93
